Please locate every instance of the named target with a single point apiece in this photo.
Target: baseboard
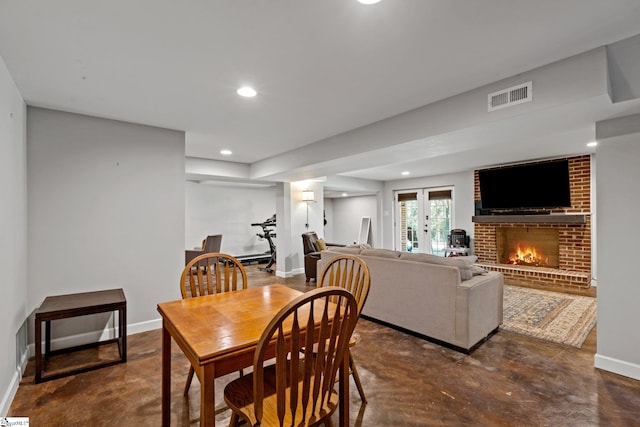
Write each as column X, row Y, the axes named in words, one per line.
column 10, row 393
column 24, row 358
column 8, row 396
column 617, row 366
column 287, row 274
column 149, row 325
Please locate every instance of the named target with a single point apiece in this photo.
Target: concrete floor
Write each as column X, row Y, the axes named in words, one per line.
column 510, row 380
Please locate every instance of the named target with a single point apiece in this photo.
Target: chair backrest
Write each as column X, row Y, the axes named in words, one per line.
column 309, row 240
column 349, row 272
column 212, row 273
column 212, row 243
column 305, row 381
column 458, row 238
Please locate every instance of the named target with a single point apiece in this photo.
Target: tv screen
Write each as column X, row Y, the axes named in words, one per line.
column 531, row 186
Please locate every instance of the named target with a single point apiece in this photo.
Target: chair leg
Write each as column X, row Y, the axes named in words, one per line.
column 233, row 422
column 189, row 379
column 356, row 378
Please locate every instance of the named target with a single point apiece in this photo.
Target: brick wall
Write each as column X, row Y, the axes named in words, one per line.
column 574, row 271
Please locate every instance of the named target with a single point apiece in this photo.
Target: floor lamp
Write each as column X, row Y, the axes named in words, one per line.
column 308, row 196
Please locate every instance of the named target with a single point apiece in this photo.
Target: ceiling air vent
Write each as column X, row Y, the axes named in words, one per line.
column 512, row 96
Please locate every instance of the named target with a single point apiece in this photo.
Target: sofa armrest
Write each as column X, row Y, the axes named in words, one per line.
column 478, row 308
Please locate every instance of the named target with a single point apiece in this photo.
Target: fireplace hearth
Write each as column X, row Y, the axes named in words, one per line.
column 529, row 246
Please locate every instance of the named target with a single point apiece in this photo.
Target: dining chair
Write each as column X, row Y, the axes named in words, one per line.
column 207, row 274
column 212, row 273
column 299, row 389
column 351, row 273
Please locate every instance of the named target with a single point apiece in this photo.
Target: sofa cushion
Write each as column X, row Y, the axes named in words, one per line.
column 321, row 245
column 381, row 253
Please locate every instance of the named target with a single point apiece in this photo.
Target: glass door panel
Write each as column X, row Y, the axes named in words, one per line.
column 408, row 224
column 440, row 227
column 423, row 220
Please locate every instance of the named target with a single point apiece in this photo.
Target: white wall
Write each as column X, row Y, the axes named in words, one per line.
column 298, row 217
column 347, row 214
column 463, row 204
column 105, row 210
column 13, row 243
column 229, row 211
column 618, row 204
column 328, row 215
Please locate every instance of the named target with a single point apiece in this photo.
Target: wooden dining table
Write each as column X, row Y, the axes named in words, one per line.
column 219, row 334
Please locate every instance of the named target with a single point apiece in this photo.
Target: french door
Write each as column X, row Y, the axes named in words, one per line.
column 423, row 220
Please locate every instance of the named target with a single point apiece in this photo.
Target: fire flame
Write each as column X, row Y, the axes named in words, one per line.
column 528, row 255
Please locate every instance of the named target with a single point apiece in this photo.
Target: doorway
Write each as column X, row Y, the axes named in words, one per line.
column 423, row 219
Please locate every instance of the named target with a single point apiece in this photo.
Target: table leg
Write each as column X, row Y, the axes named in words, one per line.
column 344, row 391
column 166, row 377
column 38, row 344
column 47, row 337
column 207, row 396
column 123, row 331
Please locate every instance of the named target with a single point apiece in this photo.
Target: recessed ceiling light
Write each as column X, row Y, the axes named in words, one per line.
column 247, row 92
column 344, row 194
column 592, row 144
column 226, row 152
column 368, row 1
column 405, row 173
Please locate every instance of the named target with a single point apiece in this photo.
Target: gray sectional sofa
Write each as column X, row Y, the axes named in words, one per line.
column 447, row 299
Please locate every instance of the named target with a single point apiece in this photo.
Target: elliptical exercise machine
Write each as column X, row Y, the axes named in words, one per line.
column 268, row 232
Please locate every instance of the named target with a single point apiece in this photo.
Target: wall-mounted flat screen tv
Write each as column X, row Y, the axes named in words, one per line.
column 543, row 185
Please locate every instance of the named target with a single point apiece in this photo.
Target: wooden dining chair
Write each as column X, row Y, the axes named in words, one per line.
column 212, row 273
column 207, row 274
column 351, row 273
column 299, row 389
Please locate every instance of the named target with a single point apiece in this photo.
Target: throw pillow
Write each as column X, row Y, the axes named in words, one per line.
column 321, row 245
column 347, row 250
column 360, row 246
column 477, row 271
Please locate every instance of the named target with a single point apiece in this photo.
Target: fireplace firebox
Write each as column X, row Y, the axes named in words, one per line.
column 528, row 246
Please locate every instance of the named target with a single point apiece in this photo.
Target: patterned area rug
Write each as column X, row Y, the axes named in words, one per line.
column 551, row 316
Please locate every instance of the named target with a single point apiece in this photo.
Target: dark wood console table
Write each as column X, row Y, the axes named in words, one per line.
column 73, row 305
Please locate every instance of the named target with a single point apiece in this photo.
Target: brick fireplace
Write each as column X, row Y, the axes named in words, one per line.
column 542, row 251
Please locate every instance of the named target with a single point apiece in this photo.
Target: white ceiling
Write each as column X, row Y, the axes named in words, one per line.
column 320, row 67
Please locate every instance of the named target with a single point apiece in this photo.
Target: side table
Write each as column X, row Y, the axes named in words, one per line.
column 456, row 250
column 73, row 305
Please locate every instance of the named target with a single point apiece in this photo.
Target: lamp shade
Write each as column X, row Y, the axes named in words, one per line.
column 308, row 196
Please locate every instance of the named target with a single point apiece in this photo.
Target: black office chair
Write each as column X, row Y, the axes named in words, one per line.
column 458, row 238
column 457, row 243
